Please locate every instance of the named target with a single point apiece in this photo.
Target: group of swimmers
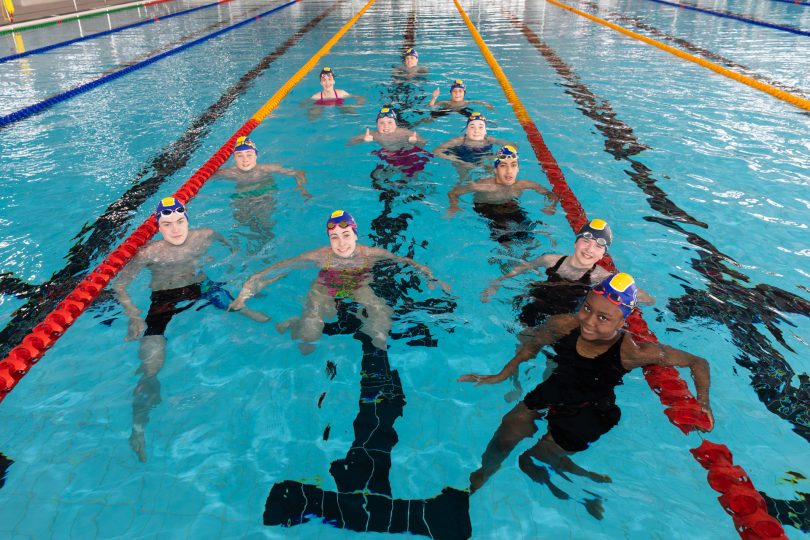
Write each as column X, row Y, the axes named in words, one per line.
column 578, row 311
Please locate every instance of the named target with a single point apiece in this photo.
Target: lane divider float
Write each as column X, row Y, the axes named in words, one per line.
column 682, row 408
column 31, row 110
column 89, row 14
column 734, row 16
column 800, row 102
column 151, row 20
column 22, row 357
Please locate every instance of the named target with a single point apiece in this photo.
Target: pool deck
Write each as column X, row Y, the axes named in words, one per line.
column 41, row 12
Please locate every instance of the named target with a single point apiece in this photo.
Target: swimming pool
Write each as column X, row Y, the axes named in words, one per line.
column 702, row 179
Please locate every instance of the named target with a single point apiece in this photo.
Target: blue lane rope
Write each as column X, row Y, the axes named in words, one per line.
column 58, row 98
column 794, row 2
column 101, row 34
column 748, row 20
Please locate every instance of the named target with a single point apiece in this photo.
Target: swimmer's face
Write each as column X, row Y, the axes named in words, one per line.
column 327, row 80
column 410, row 61
column 457, row 94
column 174, row 228
column 245, row 159
column 587, row 252
column 506, row 172
column 343, row 241
column 599, row 318
column 477, row 130
column 386, row 125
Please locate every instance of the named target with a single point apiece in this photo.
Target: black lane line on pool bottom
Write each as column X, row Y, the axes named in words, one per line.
column 694, row 49
column 152, row 19
column 363, row 501
column 726, row 301
column 97, row 239
column 31, row 110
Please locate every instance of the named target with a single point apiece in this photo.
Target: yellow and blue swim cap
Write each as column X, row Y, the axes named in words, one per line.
column 387, row 112
column 597, row 230
column 326, row 70
column 476, row 116
column 169, row 205
column 342, row 219
column 506, row 153
column 620, row 290
column 410, row 52
column 243, row 143
column 458, row 83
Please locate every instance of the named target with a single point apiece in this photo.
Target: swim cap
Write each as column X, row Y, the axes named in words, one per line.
column 167, row 206
column 341, row 219
column 506, row 153
column 410, row 52
column 597, row 230
column 476, row 116
column 243, row 143
column 458, row 83
column 387, row 112
column 328, row 71
column 620, row 290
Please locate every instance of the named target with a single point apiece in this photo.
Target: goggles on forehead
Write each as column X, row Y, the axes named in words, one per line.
column 327, row 71
column 387, row 112
column 342, row 224
column 612, row 297
column 476, row 116
column 587, row 235
column 458, row 83
column 169, row 211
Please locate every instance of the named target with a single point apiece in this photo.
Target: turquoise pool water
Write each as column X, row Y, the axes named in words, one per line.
column 703, row 180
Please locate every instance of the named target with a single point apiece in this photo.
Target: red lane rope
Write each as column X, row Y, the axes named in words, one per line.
column 739, row 497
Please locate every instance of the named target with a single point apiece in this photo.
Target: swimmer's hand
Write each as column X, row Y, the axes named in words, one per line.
column 552, row 203
column 489, row 291
column 238, row 304
column 444, row 285
column 368, row 137
column 435, row 97
column 135, row 329
column 482, row 379
column 452, row 210
column 705, row 407
column 412, row 138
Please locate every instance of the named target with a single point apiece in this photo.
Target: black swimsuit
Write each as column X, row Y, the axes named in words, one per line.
column 579, row 394
column 554, row 296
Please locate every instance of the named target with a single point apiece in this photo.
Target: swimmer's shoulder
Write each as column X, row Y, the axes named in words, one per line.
column 547, row 260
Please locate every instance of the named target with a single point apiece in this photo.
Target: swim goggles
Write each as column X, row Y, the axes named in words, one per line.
column 387, row 112
column 612, row 297
column 342, row 224
column 458, row 83
column 328, row 71
column 506, row 153
column 169, row 211
column 476, row 116
column 588, row 235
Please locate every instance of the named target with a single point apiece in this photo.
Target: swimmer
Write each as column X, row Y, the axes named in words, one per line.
column 496, row 197
column 388, row 134
column 345, row 273
column 329, row 96
column 457, row 101
column 474, row 148
column 177, row 283
column 570, row 277
column 591, row 354
column 410, row 67
column 252, row 178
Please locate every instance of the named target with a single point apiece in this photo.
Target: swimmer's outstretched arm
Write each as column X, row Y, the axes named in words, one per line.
column 542, row 261
column 658, row 354
column 486, row 104
column 443, row 150
column 384, row 254
column 434, row 98
column 255, row 283
column 550, row 197
column 552, row 330
column 299, row 175
column 454, row 195
column 368, row 136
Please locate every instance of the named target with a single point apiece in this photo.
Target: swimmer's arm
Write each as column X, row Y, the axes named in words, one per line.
column 385, row 254
column 551, row 197
column 657, row 354
column 552, row 330
column 484, row 103
column 228, row 172
column 543, row 260
column 415, row 138
column 645, row 298
column 434, row 98
column 299, row 175
column 255, row 283
column 358, row 100
column 368, row 136
column 501, row 142
column 125, row 277
column 457, row 192
column 443, row 150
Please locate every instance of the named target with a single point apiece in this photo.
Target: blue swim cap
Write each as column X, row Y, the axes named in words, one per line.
column 597, row 230
column 458, row 83
column 327, row 71
column 506, row 153
column 476, row 116
column 387, row 112
column 243, row 143
column 341, row 219
column 410, row 52
column 167, row 206
column 620, row 290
